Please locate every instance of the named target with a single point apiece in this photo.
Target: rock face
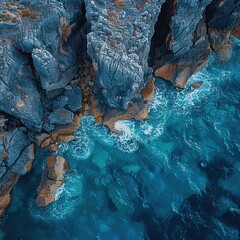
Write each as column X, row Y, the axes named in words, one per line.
column 186, row 46
column 40, row 54
column 63, row 59
column 52, row 179
column 119, row 44
column 17, row 155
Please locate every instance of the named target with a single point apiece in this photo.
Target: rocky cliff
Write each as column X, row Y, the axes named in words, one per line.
column 60, row 60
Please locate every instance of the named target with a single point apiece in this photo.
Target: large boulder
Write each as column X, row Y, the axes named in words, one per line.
column 19, row 95
column 52, row 179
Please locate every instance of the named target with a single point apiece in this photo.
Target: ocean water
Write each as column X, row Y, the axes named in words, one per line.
column 174, row 176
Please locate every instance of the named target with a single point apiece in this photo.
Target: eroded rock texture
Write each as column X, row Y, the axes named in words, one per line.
column 52, row 179
column 119, row 44
column 40, row 55
column 17, row 154
column 194, row 29
column 63, row 59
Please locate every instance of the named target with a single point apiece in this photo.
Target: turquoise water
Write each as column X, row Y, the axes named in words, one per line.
column 174, row 176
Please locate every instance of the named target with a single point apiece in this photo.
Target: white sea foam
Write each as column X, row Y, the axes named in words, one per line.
column 159, row 103
column 127, row 141
column 83, row 146
column 59, row 192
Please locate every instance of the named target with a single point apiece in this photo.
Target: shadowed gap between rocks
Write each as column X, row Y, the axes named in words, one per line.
column 161, row 29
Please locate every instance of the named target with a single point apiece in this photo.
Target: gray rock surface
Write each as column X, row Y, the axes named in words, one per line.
column 119, row 44
column 184, row 23
column 61, row 116
column 39, row 53
column 16, row 151
column 223, row 14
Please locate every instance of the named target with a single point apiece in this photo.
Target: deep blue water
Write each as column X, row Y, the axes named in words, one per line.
column 174, row 176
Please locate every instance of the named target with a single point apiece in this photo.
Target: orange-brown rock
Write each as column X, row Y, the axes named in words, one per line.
column 5, row 200
column 46, row 143
column 4, row 155
column 53, row 147
column 52, row 179
column 136, row 111
column 6, row 185
column 236, row 32
column 40, row 138
column 119, row 4
column 148, row 91
column 28, row 165
column 65, row 138
column 179, row 72
column 197, row 84
column 68, row 129
column 166, row 71
column 95, row 110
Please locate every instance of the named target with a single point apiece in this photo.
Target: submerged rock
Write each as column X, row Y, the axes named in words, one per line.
column 52, row 179
column 197, row 85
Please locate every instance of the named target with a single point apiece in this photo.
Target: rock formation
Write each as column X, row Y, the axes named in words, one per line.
column 17, row 153
column 63, row 59
column 52, row 179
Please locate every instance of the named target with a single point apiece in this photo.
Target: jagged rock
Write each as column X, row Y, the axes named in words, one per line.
column 74, row 95
column 65, row 138
column 223, row 14
column 17, row 155
column 45, row 73
column 186, row 47
column 6, row 184
column 219, row 40
column 39, row 53
column 218, row 37
column 119, row 44
column 52, row 179
column 148, row 91
column 183, row 25
column 19, row 95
